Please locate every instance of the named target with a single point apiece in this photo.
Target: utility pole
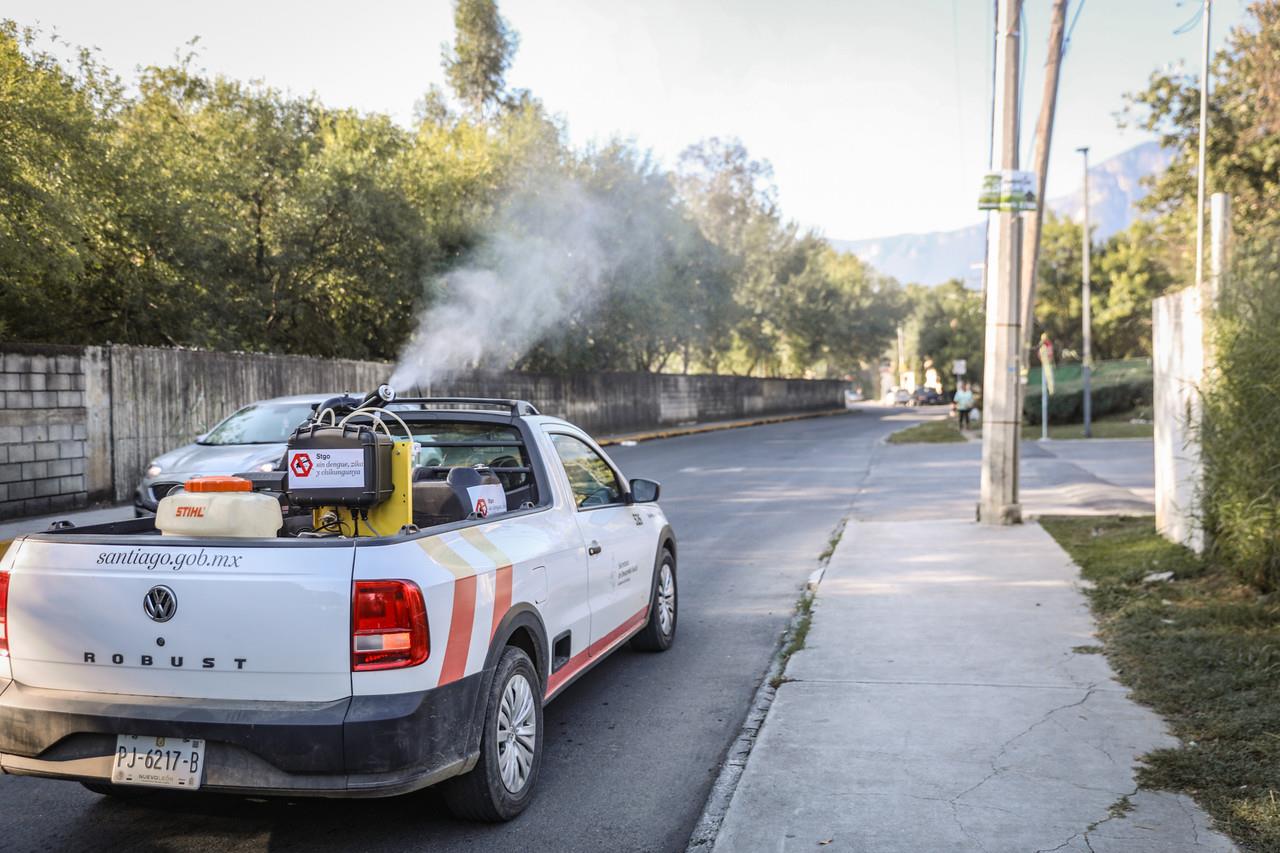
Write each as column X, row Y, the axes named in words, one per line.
column 1086, row 306
column 1044, row 136
column 1219, row 246
column 901, row 356
column 1200, row 167
column 1001, row 391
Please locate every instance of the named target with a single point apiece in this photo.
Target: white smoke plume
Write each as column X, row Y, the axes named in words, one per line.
column 545, row 260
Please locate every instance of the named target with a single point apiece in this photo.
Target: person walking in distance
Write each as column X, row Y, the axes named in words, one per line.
column 964, row 404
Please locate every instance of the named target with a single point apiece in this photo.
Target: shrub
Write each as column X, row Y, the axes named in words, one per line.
column 1240, row 431
column 1115, row 386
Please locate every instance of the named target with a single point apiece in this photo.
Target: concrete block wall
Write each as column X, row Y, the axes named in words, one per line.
column 43, row 430
column 78, row 425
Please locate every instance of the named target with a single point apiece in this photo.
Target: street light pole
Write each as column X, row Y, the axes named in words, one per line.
column 1200, row 164
column 1086, row 310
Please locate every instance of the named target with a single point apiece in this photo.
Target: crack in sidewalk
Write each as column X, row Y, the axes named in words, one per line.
column 996, row 769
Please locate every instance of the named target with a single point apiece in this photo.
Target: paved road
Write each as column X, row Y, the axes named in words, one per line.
column 633, row 747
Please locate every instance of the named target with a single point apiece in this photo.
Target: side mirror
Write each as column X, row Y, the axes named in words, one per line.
column 645, row 491
column 201, row 437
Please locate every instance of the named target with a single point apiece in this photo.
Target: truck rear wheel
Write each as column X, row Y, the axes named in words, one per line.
column 501, row 784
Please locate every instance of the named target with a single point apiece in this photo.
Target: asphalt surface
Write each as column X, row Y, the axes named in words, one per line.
column 633, row 747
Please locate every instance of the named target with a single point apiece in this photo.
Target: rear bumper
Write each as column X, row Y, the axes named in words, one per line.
column 359, row 746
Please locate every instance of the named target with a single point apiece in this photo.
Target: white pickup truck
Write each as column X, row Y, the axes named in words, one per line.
column 324, row 661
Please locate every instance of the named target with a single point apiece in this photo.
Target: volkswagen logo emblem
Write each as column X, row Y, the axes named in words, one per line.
column 160, row 603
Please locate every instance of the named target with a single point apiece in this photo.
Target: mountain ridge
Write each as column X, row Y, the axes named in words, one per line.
column 1115, row 186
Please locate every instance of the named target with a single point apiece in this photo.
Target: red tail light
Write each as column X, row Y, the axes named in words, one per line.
column 388, row 625
column 4, row 614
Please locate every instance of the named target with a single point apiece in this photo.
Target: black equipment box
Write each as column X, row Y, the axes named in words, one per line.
column 338, row 466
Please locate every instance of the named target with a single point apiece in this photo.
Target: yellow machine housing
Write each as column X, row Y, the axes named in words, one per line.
column 386, row 518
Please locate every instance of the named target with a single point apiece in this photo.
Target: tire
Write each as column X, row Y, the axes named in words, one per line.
column 660, row 631
column 485, row 793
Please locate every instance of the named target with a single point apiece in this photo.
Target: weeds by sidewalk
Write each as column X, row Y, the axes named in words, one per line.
column 929, row 432
column 1201, row 649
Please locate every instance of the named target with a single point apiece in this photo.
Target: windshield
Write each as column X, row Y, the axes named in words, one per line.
column 261, row 423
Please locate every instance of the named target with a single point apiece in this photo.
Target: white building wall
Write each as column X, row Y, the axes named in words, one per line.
column 1178, row 344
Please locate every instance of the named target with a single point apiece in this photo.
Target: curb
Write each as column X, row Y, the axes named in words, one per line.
column 706, row 832
column 717, row 426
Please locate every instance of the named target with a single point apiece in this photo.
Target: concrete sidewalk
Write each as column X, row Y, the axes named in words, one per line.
column 940, row 704
column 940, row 481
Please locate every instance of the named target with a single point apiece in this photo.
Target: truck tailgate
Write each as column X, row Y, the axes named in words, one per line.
column 211, row 619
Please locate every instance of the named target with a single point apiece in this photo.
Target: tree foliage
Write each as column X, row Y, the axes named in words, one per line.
column 947, row 324
column 198, row 210
column 476, row 65
column 1242, row 140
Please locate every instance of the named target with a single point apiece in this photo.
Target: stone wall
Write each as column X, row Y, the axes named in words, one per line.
column 79, row 424
column 42, row 430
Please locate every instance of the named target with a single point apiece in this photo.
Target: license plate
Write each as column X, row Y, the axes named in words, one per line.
column 160, row 762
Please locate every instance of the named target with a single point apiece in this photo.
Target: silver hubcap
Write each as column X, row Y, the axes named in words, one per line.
column 666, row 600
column 516, row 733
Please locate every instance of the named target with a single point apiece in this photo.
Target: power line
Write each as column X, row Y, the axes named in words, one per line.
column 1071, row 28
column 1191, row 22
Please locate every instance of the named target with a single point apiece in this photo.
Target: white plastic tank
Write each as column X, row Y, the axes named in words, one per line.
column 219, row 507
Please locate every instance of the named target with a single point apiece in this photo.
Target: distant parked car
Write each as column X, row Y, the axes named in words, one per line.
column 900, row 397
column 927, row 397
column 252, row 439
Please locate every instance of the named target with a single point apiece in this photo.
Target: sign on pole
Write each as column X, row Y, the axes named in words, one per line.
column 1046, row 361
column 959, row 367
column 1009, row 190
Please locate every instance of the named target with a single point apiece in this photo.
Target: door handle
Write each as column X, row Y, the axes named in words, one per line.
column 593, row 548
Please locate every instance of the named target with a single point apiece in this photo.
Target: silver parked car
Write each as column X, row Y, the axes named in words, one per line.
column 252, row 439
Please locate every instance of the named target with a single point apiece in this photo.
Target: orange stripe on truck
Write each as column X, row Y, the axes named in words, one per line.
column 462, row 619
column 461, row 624
column 502, row 577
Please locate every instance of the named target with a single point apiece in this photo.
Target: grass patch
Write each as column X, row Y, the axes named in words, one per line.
column 836, row 535
column 929, row 432
column 796, row 640
column 1203, row 650
column 802, row 620
column 1111, row 426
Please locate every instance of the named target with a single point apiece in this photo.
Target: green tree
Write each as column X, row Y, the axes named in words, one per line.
column 1058, row 286
column 838, row 312
column 947, row 322
column 733, row 201
column 1127, row 277
column 484, row 45
column 1243, row 138
column 57, row 188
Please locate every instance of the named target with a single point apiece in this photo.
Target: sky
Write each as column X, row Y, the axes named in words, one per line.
column 874, row 115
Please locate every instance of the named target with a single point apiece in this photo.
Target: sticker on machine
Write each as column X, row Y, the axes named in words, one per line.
column 487, row 500
column 326, row 469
